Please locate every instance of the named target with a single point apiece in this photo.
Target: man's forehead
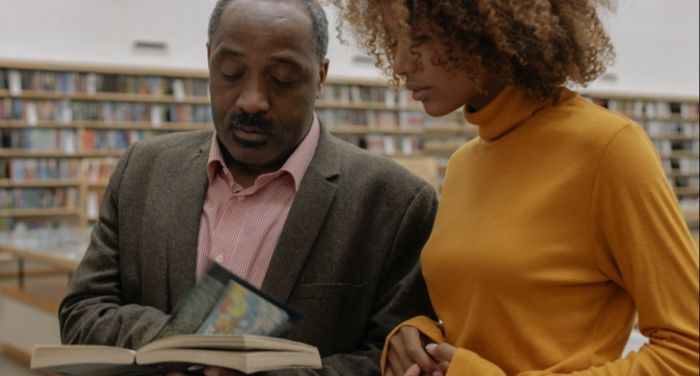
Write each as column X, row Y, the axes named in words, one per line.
column 274, row 13
column 267, row 22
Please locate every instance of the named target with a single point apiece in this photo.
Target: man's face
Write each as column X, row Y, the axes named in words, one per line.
column 264, row 79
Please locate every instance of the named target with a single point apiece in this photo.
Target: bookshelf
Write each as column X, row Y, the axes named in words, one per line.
column 63, row 127
column 672, row 124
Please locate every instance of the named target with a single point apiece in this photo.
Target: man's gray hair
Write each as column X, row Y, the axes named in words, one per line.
column 312, row 8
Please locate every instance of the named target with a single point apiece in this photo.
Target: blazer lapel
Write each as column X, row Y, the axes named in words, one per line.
column 184, row 216
column 307, row 215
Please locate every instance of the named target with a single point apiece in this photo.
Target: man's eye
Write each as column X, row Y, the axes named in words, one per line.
column 283, row 82
column 232, row 76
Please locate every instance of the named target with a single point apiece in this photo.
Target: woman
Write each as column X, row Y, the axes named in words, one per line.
column 556, row 224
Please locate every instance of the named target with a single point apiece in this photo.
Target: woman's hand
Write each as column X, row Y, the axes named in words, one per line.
column 442, row 354
column 406, row 354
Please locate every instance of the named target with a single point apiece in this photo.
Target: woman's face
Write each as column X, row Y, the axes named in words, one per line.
column 441, row 91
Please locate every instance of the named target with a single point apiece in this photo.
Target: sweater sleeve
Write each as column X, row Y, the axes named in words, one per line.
column 424, row 324
column 643, row 246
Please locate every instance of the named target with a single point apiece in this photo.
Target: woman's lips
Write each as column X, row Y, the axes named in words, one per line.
column 418, row 92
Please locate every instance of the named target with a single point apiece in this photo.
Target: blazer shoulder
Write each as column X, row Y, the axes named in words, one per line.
column 369, row 169
column 173, row 142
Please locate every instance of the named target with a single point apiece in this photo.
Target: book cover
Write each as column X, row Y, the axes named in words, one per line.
column 223, row 303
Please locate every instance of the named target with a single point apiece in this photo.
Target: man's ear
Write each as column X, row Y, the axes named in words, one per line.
column 208, row 55
column 322, row 75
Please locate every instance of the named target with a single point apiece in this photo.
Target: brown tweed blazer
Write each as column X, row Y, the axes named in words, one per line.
column 347, row 258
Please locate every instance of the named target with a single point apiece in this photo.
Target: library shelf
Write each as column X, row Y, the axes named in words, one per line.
column 39, row 183
column 96, row 111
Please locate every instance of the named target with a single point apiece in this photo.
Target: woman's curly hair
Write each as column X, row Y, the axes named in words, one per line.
column 538, row 45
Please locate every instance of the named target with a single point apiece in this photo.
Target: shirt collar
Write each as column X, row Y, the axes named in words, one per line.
column 295, row 165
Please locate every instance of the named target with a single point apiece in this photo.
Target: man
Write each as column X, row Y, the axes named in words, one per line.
column 321, row 225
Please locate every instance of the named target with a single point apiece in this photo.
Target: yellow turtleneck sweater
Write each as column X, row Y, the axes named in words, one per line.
column 554, row 225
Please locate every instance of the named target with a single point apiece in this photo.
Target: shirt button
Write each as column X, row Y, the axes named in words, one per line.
column 219, row 258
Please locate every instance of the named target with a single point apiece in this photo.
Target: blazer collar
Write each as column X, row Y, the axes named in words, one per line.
column 306, row 217
column 188, row 189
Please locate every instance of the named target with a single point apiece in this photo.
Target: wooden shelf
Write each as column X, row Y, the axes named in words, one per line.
column 39, row 183
column 97, row 183
column 691, row 215
column 100, row 125
column 23, row 153
column 440, row 149
column 105, row 97
column 686, row 191
column 681, row 154
column 363, row 129
column 674, row 137
column 681, row 174
column 39, row 212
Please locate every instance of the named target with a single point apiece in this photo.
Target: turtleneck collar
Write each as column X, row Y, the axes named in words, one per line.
column 505, row 112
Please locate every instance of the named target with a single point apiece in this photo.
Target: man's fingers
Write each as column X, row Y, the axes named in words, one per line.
column 413, row 370
column 394, row 364
column 414, row 348
column 398, row 347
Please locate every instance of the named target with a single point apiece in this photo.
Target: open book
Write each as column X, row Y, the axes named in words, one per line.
column 223, row 321
column 186, row 353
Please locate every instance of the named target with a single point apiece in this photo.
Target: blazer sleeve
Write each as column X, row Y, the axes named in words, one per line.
column 94, row 311
column 401, row 294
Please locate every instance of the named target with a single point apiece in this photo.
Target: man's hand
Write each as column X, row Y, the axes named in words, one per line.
column 211, row 371
column 406, row 355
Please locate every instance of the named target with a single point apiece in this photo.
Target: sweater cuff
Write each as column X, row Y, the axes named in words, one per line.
column 424, row 324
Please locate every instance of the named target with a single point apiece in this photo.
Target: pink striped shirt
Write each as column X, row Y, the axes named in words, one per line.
column 240, row 226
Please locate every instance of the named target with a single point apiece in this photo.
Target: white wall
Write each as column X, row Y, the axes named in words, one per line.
column 657, row 48
column 656, row 40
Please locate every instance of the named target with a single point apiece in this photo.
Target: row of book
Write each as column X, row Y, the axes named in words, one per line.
column 64, row 140
column 111, row 139
column 340, row 117
column 17, row 81
column 359, row 94
column 98, row 169
column 38, row 198
column 18, row 169
column 685, row 165
column 88, row 169
column 685, row 182
column 67, row 111
column 657, row 128
column 666, row 147
column 640, row 108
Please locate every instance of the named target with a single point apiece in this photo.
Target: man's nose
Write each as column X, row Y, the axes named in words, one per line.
column 253, row 98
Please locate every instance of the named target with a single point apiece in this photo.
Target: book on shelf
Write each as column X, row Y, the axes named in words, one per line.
column 223, row 321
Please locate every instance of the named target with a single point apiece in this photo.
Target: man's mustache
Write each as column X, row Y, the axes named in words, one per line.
column 250, row 122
